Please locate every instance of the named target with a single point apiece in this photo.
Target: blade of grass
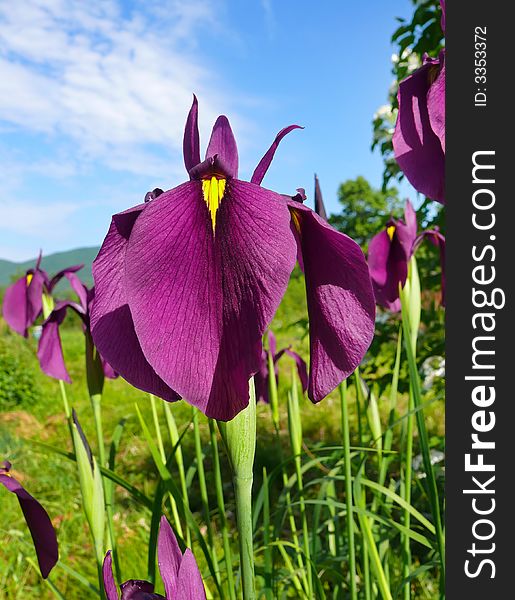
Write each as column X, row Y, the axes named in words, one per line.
column 269, row 562
column 179, row 459
column 199, row 454
column 368, row 538
column 109, row 497
column 424, row 442
column 348, row 491
column 295, row 428
column 221, row 510
column 170, row 486
column 161, row 448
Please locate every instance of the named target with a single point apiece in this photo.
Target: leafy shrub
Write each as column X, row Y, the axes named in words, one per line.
column 17, row 377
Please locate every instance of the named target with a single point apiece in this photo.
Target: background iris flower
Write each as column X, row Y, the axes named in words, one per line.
column 419, row 136
column 38, row 521
column 261, row 377
column 23, row 300
column 179, row 572
column 50, row 351
column 188, row 282
column 390, row 251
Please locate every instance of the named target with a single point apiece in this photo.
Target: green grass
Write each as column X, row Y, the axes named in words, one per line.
column 53, row 479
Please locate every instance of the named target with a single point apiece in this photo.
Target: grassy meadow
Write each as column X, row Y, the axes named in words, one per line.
column 31, row 411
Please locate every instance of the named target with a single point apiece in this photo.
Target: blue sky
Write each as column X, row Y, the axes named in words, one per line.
column 94, row 95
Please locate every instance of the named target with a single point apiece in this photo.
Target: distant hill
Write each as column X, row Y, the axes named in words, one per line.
column 51, row 264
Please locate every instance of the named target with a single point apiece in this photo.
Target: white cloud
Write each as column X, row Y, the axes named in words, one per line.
column 117, row 84
column 270, row 21
column 44, row 221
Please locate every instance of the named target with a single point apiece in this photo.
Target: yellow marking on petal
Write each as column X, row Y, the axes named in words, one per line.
column 29, row 278
column 296, row 220
column 213, row 190
column 390, row 231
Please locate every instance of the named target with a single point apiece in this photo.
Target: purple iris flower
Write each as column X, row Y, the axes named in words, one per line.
column 389, row 253
column 38, row 521
column 188, row 282
column 179, row 572
column 261, row 377
column 419, row 137
column 23, row 300
column 50, row 350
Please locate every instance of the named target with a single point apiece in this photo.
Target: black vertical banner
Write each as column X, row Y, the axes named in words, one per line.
column 480, row 365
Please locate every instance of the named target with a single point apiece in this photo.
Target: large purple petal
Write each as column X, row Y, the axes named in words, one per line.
column 112, row 327
column 50, row 350
column 436, row 103
column 191, row 142
column 169, row 557
column 265, row 162
column 340, row 300
column 110, row 588
column 38, row 521
column 190, row 585
column 319, row 201
column 201, row 300
column 14, row 308
column 222, row 142
column 417, row 148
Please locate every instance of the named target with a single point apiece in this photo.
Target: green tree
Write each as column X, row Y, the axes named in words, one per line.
column 365, row 210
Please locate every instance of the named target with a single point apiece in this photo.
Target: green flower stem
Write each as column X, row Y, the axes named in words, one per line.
column 239, row 436
column 96, row 404
column 67, row 411
column 243, row 491
column 348, row 492
column 410, row 301
column 407, row 471
column 221, row 510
